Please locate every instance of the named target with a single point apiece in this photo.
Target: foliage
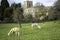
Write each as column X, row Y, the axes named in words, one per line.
column 17, row 13
column 51, row 15
column 14, row 5
column 0, row 13
column 8, row 14
column 55, row 11
column 18, row 10
column 28, row 18
column 4, row 5
column 40, row 10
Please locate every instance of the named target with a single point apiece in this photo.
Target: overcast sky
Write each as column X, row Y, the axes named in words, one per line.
column 44, row 2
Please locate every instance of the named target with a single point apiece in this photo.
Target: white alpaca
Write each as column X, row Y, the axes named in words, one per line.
column 35, row 25
column 14, row 30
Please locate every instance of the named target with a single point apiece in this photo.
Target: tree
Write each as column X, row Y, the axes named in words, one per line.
column 56, row 10
column 14, row 5
column 8, row 14
column 17, row 13
column 4, row 5
column 40, row 10
column 51, row 14
column 38, row 4
column 0, row 10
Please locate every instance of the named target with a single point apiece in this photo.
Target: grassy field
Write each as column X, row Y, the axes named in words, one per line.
column 49, row 31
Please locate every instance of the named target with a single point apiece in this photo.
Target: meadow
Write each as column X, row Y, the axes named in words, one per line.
column 49, row 31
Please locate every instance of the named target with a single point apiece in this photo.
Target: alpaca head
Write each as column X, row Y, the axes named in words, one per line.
column 11, row 32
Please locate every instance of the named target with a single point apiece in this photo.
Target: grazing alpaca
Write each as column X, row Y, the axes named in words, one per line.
column 35, row 25
column 14, row 30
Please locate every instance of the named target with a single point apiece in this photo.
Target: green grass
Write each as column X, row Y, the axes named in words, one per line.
column 49, row 31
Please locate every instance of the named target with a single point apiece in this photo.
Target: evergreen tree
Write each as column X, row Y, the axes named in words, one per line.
column 54, row 12
column 8, row 14
column 57, row 9
column 0, row 9
column 4, row 5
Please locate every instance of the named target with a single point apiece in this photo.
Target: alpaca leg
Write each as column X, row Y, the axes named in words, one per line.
column 18, row 34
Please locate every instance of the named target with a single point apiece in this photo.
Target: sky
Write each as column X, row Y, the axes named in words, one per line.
column 44, row 2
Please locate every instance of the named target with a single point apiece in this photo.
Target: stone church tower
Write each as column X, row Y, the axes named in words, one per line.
column 28, row 8
column 28, row 4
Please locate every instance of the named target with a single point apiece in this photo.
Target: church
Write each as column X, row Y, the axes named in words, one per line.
column 28, row 8
column 30, row 11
